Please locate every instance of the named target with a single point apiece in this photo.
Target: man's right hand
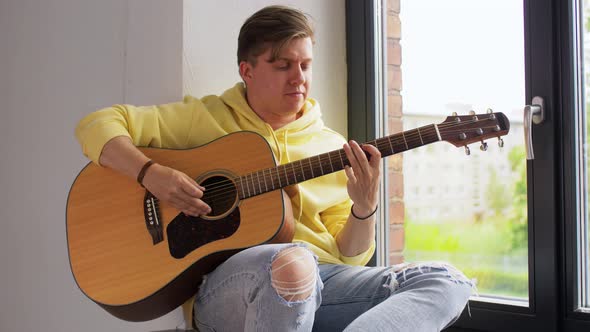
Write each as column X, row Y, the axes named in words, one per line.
column 177, row 189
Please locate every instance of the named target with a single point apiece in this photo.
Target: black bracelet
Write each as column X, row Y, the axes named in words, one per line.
column 143, row 170
column 365, row 218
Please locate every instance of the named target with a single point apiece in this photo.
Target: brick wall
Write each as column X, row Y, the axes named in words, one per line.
column 394, row 118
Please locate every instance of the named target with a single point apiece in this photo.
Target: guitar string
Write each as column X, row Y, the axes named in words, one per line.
column 220, row 188
column 326, row 157
column 410, row 137
column 223, row 185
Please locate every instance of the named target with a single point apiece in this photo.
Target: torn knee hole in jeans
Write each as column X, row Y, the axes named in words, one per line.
column 294, row 274
column 403, row 269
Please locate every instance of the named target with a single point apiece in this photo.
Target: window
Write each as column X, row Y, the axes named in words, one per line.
column 548, row 41
column 447, row 68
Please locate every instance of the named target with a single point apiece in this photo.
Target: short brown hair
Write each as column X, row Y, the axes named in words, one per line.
column 272, row 26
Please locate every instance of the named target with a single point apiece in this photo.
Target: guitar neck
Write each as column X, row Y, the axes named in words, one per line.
column 260, row 182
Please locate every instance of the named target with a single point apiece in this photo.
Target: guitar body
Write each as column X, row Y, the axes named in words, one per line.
column 122, row 263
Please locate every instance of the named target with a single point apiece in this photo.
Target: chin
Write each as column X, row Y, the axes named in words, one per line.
column 294, row 110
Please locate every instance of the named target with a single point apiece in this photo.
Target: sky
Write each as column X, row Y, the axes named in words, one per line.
column 463, row 52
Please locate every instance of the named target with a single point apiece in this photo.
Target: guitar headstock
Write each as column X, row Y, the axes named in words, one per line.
column 461, row 130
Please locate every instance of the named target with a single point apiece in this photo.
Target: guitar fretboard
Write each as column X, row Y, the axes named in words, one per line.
column 281, row 176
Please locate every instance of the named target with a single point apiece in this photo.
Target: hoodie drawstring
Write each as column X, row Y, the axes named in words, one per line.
column 288, row 160
column 277, row 145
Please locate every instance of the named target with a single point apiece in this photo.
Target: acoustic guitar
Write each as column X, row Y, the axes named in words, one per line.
column 139, row 259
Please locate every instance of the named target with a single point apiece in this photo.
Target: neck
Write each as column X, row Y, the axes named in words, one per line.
column 277, row 122
column 275, row 119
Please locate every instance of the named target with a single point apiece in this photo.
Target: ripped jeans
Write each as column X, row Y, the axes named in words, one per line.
column 241, row 295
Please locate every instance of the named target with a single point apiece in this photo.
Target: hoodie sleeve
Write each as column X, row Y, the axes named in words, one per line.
column 334, row 219
column 163, row 126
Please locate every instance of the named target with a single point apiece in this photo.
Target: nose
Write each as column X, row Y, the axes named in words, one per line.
column 297, row 76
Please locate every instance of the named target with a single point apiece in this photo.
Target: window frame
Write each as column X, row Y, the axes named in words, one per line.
column 550, row 177
column 573, row 107
column 363, row 94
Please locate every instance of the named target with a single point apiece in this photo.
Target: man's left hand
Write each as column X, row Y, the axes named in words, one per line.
column 363, row 177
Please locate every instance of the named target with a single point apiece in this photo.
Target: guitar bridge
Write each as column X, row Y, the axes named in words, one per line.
column 151, row 213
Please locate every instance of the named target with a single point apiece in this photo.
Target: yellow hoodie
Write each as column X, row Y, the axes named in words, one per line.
column 320, row 206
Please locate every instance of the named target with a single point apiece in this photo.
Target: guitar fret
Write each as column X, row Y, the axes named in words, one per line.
column 330, row 160
column 279, row 176
column 286, row 175
column 406, row 142
column 264, row 177
column 399, row 144
column 258, row 180
column 247, row 185
column 420, row 135
column 242, row 186
column 294, row 175
column 310, row 167
column 341, row 161
column 302, row 171
column 253, row 183
column 390, row 145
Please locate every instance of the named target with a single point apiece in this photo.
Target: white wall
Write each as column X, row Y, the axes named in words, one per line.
column 211, row 38
column 61, row 59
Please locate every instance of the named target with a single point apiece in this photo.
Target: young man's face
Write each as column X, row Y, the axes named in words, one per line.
column 278, row 89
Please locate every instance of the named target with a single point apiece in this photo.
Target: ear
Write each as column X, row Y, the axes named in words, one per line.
column 246, row 71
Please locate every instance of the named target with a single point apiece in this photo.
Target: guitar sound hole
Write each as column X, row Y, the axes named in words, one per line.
column 220, row 194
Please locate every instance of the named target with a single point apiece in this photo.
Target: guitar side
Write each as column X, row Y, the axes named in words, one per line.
column 112, row 255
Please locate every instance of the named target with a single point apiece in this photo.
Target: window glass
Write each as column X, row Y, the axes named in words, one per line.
column 469, row 210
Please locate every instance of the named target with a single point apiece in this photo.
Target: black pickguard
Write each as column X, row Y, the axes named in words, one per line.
column 186, row 233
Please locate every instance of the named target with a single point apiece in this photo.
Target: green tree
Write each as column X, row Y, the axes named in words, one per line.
column 497, row 195
column 517, row 221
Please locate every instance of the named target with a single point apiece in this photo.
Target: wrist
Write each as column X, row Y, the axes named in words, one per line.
column 143, row 171
column 363, row 215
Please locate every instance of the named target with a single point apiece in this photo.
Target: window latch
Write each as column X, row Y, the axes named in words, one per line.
column 534, row 113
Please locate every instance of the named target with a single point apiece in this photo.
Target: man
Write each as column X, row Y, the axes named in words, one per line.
column 317, row 282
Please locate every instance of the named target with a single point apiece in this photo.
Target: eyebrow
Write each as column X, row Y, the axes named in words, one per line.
column 291, row 60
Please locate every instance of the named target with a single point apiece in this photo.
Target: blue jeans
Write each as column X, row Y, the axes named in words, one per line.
column 238, row 296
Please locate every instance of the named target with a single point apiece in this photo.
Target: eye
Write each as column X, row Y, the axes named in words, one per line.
column 283, row 66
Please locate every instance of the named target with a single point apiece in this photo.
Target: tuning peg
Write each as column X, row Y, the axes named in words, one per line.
column 472, row 112
column 489, row 111
column 500, row 142
column 454, row 114
column 467, row 150
column 483, row 146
